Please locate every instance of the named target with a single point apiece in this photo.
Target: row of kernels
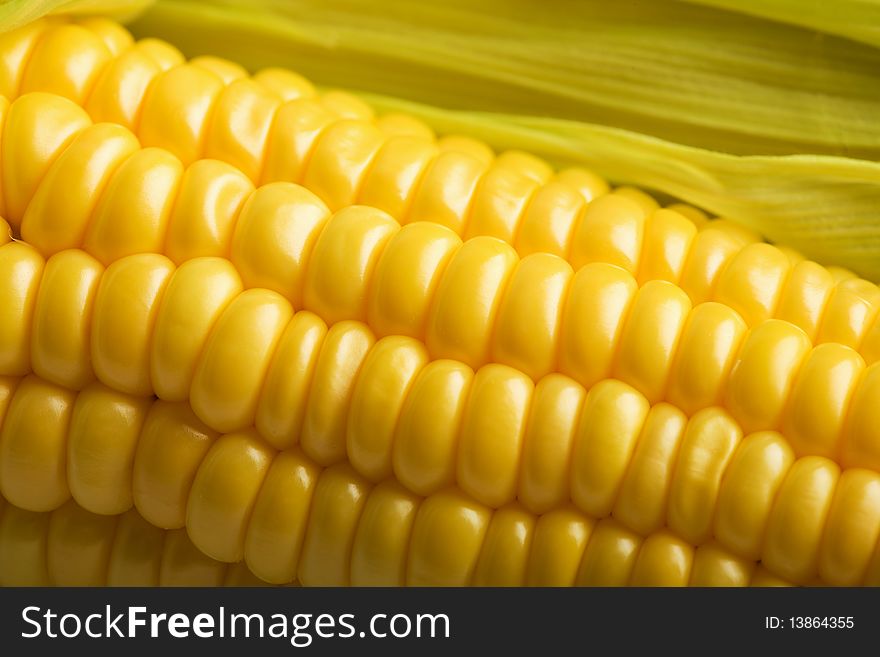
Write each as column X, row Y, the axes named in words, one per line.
column 729, row 265
column 72, row 547
column 96, row 63
column 761, row 282
column 652, row 468
column 357, row 533
column 101, row 168
column 800, row 516
column 239, row 120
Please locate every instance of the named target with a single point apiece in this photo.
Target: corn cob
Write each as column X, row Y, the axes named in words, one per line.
column 212, row 210
column 484, row 491
column 71, row 547
column 240, row 498
column 858, row 300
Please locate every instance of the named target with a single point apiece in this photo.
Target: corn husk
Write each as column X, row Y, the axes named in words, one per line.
column 692, row 75
column 15, row 13
column 858, row 20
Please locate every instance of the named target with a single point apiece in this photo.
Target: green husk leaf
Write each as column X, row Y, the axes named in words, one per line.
column 694, row 75
column 15, row 13
column 858, row 20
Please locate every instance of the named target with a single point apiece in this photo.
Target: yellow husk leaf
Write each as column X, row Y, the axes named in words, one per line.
column 15, row 13
column 693, row 75
column 858, row 20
